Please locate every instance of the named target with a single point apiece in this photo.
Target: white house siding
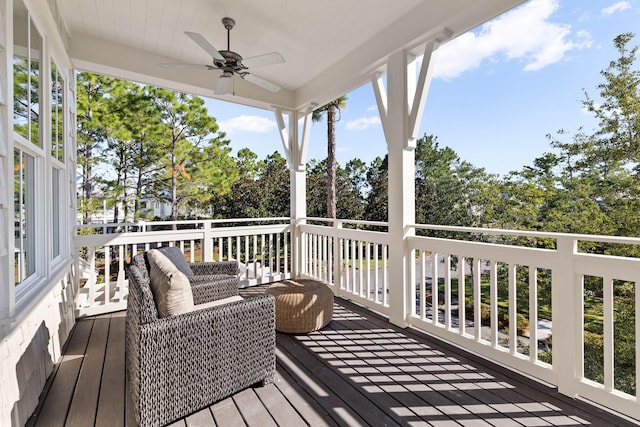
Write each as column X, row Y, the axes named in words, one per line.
column 29, row 349
column 35, row 317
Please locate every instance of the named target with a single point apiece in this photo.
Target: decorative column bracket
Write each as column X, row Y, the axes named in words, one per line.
column 415, row 106
column 295, row 143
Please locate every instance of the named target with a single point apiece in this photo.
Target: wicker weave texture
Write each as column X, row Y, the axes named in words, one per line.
column 180, row 364
column 301, row 306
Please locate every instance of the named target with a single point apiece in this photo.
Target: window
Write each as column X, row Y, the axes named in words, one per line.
column 57, row 113
column 56, row 194
column 29, row 156
column 24, row 215
column 26, row 75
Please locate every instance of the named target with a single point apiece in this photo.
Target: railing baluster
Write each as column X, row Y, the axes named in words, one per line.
column 435, row 288
column 328, row 242
column 608, row 319
column 462, row 315
column 385, row 282
column 376, row 274
column 107, row 273
column 353, row 267
column 287, row 236
column 277, row 254
column 421, row 274
column 121, row 272
column 330, row 247
column 370, row 270
column 346, row 261
column 513, row 310
column 493, row 295
column 533, row 314
column 477, row 298
column 92, row 280
column 447, row 291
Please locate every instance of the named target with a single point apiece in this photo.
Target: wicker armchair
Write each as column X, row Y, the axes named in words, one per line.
column 223, row 274
column 179, row 364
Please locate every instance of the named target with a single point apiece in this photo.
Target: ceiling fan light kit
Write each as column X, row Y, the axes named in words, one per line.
column 230, row 62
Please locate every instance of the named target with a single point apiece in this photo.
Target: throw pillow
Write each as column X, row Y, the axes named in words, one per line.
column 177, row 258
column 170, row 287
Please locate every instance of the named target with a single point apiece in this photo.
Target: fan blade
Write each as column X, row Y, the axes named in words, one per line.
column 222, row 87
column 259, row 81
column 203, row 43
column 260, row 60
column 169, row 65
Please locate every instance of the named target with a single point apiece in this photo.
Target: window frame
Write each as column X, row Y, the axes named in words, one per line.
column 32, row 282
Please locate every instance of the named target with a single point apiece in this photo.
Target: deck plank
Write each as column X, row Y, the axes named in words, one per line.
column 111, row 403
column 252, row 409
column 225, row 413
column 85, row 398
column 278, row 406
column 310, row 410
column 53, row 411
column 202, row 418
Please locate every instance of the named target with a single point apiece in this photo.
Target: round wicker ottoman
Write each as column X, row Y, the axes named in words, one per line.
column 301, row 305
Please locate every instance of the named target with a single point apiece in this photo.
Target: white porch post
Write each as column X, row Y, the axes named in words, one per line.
column 295, row 147
column 401, row 112
column 566, row 305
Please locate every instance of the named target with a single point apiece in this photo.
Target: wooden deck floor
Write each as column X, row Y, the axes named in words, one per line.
column 359, row 370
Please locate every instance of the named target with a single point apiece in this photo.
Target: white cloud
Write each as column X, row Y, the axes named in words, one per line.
column 616, row 7
column 525, row 34
column 363, row 123
column 246, row 123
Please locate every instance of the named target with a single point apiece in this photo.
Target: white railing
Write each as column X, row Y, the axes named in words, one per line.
column 508, row 282
column 351, row 260
column 507, row 286
column 262, row 247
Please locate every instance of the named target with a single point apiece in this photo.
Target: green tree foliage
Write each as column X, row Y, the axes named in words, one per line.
column 592, row 186
column 262, row 189
column 448, row 191
column 377, row 200
column 317, row 188
column 147, row 142
column 276, row 186
column 349, row 187
column 92, row 119
column 197, row 158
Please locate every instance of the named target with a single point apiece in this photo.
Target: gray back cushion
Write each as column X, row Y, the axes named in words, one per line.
column 176, row 256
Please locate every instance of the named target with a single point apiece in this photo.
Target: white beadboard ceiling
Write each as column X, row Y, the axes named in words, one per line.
column 330, row 46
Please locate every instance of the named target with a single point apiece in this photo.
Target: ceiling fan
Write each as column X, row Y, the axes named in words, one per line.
column 230, row 62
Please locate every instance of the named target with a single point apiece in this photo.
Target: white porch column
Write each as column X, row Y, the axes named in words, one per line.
column 295, row 147
column 401, row 112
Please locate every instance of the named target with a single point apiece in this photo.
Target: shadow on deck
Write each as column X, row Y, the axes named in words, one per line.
column 359, row 370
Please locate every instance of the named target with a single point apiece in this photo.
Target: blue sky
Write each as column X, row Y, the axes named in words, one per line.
column 496, row 92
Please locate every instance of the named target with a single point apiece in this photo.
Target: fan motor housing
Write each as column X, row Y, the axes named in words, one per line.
column 232, row 61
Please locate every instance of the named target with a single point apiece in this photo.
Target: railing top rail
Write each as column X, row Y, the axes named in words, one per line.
column 348, row 221
column 181, row 222
column 523, row 233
